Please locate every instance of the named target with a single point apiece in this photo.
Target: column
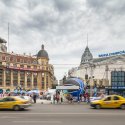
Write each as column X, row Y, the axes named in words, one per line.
column 18, row 78
column 45, row 81
column 4, row 77
column 49, row 81
column 32, row 80
column 12, row 78
column 39, row 81
column 25, row 82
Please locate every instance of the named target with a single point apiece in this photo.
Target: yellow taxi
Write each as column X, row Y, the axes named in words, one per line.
column 111, row 101
column 13, row 102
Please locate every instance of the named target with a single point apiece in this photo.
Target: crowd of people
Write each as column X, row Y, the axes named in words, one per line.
column 57, row 97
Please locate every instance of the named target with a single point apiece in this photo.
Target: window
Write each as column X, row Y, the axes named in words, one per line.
column 3, row 57
column 21, row 60
column 28, row 67
column 108, row 99
column 117, row 78
column 8, row 99
column 18, row 59
column 116, row 98
column 21, row 66
column 35, row 67
column 15, row 77
column 11, row 58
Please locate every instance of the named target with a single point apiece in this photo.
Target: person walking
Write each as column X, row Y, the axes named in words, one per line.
column 57, row 97
column 54, row 98
column 34, row 97
column 71, row 98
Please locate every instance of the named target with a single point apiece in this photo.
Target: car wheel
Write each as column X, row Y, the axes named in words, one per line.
column 122, row 106
column 98, row 106
column 16, row 108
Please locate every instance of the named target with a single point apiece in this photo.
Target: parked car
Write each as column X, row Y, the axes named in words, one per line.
column 111, row 101
column 48, row 96
column 13, row 102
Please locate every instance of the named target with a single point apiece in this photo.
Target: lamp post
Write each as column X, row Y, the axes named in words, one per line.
column 91, row 79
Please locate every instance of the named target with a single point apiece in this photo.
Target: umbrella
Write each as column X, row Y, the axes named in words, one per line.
column 33, row 91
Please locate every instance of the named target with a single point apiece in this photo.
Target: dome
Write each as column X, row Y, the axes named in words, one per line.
column 87, row 56
column 42, row 53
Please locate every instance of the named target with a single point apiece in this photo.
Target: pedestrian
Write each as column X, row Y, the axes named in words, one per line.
column 71, row 98
column 61, row 97
column 34, row 97
column 57, row 97
column 80, row 97
column 88, row 97
column 54, row 98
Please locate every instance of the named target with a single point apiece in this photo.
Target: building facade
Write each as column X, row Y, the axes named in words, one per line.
column 27, row 72
column 98, row 70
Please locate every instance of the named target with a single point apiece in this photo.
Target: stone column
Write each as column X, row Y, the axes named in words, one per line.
column 32, row 80
column 4, row 77
column 39, row 81
column 18, row 78
column 49, row 81
column 45, row 81
column 25, row 82
column 12, row 78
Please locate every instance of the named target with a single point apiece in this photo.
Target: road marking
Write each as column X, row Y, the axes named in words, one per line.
column 58, row 122
column 5, row 117
column 113, row 113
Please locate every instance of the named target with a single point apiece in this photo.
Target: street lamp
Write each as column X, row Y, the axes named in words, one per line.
column 91, row 78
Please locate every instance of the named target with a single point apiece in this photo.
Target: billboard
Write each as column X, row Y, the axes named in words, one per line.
column 112, row 54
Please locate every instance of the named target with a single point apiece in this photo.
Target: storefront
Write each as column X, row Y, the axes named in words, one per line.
column 115, row 90
column 117, row 83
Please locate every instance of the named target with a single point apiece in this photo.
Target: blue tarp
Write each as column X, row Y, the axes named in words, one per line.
column 78, row 82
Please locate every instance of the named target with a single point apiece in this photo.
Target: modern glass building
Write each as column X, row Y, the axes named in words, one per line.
column 117, row 83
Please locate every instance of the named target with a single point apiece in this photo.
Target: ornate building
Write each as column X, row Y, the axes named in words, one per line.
column 98, row 70
column 29, row 72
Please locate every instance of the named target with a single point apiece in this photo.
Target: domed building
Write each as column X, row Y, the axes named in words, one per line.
column 26, row 71
column 42, row 53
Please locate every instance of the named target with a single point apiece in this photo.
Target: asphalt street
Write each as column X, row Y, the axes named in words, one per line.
column 66, row 114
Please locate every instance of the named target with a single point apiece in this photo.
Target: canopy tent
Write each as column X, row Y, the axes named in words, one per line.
column 74, row 86
column 75, row 82
column 33, row 91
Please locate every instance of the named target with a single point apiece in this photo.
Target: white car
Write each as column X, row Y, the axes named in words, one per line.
column 95, row 98
column 26, row 98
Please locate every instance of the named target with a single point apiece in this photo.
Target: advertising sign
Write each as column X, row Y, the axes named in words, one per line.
column 112, row 54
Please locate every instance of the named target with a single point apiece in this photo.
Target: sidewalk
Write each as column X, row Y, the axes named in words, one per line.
column 42, row 101
column 39, row 101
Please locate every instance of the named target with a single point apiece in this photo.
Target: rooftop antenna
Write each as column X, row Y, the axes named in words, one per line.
column 8, row 37
column 87, row 39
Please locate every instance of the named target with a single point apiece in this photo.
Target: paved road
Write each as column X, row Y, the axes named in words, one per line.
column 73, row 114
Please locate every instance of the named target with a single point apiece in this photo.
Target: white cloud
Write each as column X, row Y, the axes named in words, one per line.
column 62, row 25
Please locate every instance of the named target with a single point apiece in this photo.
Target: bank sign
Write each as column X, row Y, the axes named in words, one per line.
column 112, row 54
